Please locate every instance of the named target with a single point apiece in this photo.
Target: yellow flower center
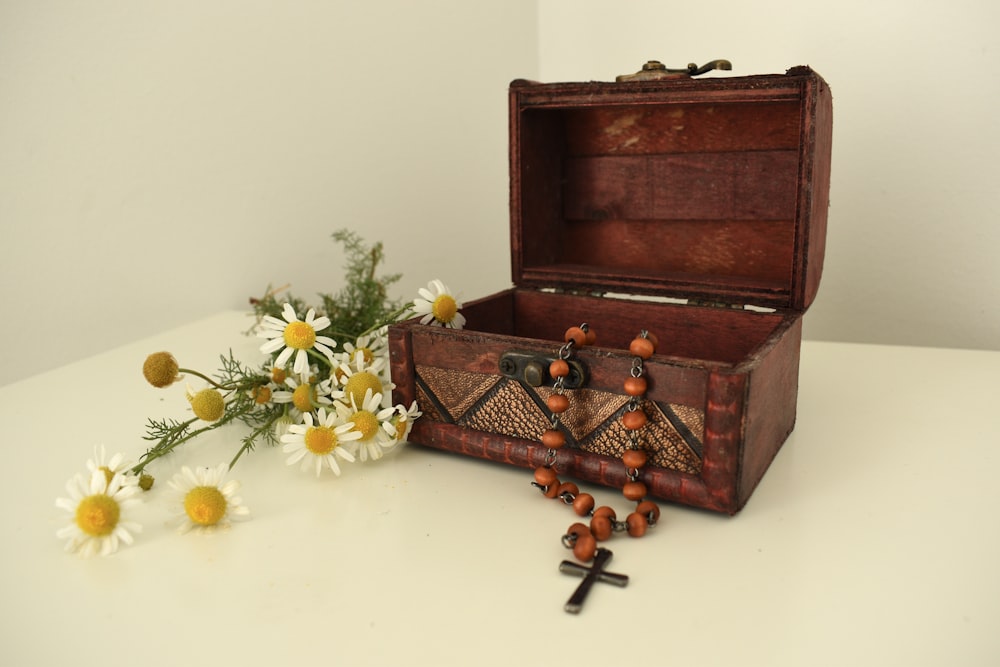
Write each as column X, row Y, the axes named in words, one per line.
column 208, row 405
column 444, row 308
column 205, row 505
column 359, row 383
column 366, row 423
column 366, row 354
column 278, row 375
column 97, row 515
column 160, row 369
column 302, row 397
column 300, row 336
column 321, row 440
column 261, row 395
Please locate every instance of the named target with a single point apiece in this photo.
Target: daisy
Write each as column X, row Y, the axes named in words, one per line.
column 356, row 378
column 438, row 306
column 294, row 336
column 319, row 443
column 372, row 346
column 99, row 509
column 110, row 467
column 305, row 395
column 371, row 423
column 207, row 500
column 403, row 420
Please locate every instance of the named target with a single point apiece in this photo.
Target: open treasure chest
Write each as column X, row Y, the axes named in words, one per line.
column 694, row 209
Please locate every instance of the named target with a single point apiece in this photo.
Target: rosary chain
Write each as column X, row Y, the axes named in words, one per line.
column 581, row 538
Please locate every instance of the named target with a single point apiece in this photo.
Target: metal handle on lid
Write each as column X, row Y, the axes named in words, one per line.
column 654, row 70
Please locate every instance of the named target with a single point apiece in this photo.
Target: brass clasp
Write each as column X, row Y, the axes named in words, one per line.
column 654, row 70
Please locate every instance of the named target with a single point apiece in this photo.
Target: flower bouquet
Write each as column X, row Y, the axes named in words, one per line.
column 323, row 394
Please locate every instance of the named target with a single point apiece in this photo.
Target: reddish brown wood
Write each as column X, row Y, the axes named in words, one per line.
column 715, row 189
column 748, row 155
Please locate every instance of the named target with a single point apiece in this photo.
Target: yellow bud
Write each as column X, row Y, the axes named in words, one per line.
column 160, row 369
column 208, row 404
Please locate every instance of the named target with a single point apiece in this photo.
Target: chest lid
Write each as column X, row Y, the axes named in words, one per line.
column 713, row 189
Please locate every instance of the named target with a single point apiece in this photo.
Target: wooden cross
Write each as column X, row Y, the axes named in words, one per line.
column 590, row 575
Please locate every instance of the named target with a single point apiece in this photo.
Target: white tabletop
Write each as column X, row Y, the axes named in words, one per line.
column 872, row 540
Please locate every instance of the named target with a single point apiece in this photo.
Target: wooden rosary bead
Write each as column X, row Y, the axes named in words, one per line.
column 553, row 438
column 634, row 491
column 634, row 420
column 557, row 403
column 591, row 336
column 583, row 503
column 601, row 527
column 650, row 510
column 642, row 347
column 577, row 529
column 637, row 524
column 545, row 476
column 634, row 458
column 559, row 368
column 585, row 548
column 568, row 487
column 577, row 335
column 552, row 490
column 604, row 510
column 635, row 386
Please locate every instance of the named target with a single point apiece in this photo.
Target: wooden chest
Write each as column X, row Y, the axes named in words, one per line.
column 692, row 208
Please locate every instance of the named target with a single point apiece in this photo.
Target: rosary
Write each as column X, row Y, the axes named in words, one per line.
column 581, row 537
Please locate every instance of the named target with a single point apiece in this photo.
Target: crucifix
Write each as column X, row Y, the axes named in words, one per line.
column 590, row 575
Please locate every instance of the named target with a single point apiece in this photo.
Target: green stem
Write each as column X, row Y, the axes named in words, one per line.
column 207, row 379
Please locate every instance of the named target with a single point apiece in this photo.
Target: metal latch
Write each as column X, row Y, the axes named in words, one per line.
column 533, row 369
column 654, row 70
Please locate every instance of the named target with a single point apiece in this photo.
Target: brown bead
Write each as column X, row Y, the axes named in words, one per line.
column 553, row 438
column 634, row 420
column 650, row 510
column 591, row 336
column 601, row 528
column 552, row 490
column 635, row 386
column 557, row 403
column 642, row 347
column 559, row 368
column 577, row 335
column 545, row 476
column 634, row 458
column 634, row 491
column 568, row 487
column 636, row 524
column 585, row 547
column 604, row 510
column 583, row 503
column 578, row 529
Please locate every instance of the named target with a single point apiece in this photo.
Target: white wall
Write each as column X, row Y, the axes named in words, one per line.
column 914, row 227
column 160, row 161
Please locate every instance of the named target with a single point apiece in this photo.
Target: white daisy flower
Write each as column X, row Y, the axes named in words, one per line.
column 206, row 499
column 372, row 424
column 403, row 420
column 438, row 306
column 356, row 378
column 110, row 467
column 294, row 336
column 321, row 442
column 99, row 510
column 371, row 346
column 305, row 395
